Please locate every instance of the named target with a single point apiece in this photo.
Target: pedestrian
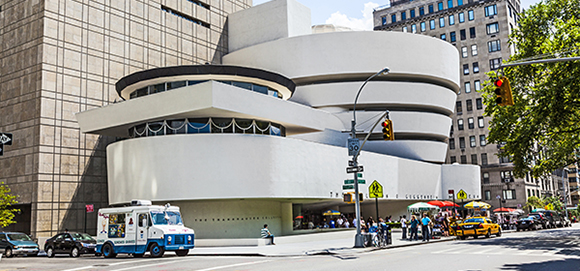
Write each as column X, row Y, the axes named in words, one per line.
column 425, row 227
column 414, row 227
column 339, row 222
column 346, row 224
column 332, row 224
column 404, row 226
column 266, row 233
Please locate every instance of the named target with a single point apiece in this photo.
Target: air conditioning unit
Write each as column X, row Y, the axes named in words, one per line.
column 140, row 202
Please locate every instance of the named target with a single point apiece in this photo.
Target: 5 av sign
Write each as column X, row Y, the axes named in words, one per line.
column 5, row 139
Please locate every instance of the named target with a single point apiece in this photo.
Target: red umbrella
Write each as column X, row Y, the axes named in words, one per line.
column 504, row 210
column 299, row 217
column 441, row 204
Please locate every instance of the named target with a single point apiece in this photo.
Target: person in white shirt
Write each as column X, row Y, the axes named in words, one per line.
column 404, row 226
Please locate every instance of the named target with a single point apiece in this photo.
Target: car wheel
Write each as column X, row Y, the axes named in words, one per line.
column 462, row 237
column 182, row 252
column 156, row 250
column 488, row 234
column 49, row 252
column 8, row 252
column 498, row 233
column 108, row 251
column 75, row 252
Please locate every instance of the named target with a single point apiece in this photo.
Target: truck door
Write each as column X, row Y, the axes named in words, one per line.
column 142, row 227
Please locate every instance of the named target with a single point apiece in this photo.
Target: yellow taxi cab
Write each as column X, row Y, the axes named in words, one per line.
column 477, row 226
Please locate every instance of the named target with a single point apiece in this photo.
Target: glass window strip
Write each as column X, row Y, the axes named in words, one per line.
column 179, row 84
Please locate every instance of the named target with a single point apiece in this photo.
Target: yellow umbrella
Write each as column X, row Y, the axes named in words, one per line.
column 331, row 212
column 477, row 205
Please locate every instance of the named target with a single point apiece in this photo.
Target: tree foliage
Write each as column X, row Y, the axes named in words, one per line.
column 548, row 203
column 541, row 132
column 6, row 201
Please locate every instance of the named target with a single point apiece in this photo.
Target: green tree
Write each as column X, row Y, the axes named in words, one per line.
column 541, row 132
column 554, row 203
column 534, row 202
column 6, row 201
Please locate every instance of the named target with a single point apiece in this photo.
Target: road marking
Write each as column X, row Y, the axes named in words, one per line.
column 448, row 250
column 119, row 263
column 153, row 264
column 484, row 251
column 233, row 265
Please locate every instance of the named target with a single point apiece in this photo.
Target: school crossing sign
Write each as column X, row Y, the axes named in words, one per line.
column 375, row 190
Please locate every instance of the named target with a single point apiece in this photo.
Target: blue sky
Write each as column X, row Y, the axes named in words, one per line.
column 356, row 14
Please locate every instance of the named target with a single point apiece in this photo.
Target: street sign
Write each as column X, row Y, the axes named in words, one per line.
column 461, row 194
column 348, row 181
column 351, row 163
column 353, row 145
column 497, row 197
column 450, row 191
column 90, row 208
column 375, row 190
column 5, row 139
column 354, row 169
column 359, row 175
column 347, row 186
column 361, row 181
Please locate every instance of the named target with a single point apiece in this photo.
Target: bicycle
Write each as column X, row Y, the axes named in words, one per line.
column 380, row 239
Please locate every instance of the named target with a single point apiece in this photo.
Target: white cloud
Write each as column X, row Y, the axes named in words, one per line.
column 364, row 23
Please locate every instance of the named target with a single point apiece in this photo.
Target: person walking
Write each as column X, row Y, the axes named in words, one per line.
column 266, row 233
column 425, row 227
column 414, row 227
column 404, row 227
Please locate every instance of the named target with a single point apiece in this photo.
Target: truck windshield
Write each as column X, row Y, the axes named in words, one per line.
column 159, row 218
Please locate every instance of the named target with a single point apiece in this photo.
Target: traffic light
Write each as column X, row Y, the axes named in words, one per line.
column 388, row 130
column 503, row 91
column 349, row 197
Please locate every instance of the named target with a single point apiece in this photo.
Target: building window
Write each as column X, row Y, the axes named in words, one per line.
column 439, row 6
column 461, row 17
column 470, row 15
column 441, row 22
column 506, row 176
column 467, row 87
column 491, row 10
column 472, row 141
column 423, row 27
column 421, row 11
column 412, row 13
column 478, row 104
column 463, row 159
column 452, row 159
column 472, row 32
column 403, row 15
column 493, row 46
column 443, row 36
column 430, row 8
column 459, row 2
column 465, row 69
column 485, row 176
column 474, row 159
column 404, row 29
column 480, row 123
column 393, row 18
column 384, row 20
column 482, row 140
column 509, row 194
column 492, row 28
column 495, row 63
column 477, row 85
column 504, row 159
column 451, row 19
column 458, row 107
column 510, row 12
column 462, row 142
column 484, row 159
column 469, row 105
column 464, row 52
column 474, row 49
column 414, row 28
column 452, row 144
column 470, row 124
column 475, row 67
column 487, row 195
column 432, row 24
column 529, row 193
column 452, row 37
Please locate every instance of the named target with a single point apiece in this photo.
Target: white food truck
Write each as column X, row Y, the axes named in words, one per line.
column 142, row 227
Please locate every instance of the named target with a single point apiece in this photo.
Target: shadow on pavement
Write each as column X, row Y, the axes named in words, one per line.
column 564, row 264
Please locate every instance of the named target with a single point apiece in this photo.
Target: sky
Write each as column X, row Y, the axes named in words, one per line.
column 356, row 14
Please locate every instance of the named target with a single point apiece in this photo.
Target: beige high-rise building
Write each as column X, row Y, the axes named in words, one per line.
column 61, row 57
column 480, row 31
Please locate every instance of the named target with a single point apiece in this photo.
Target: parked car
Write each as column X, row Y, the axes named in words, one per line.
column 528, row 223
column 17, row 243
column 546, row 223
column 477, row 226
column 566, row 221
column 72, row 243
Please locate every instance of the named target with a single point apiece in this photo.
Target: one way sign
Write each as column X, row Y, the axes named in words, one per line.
column 5, row 139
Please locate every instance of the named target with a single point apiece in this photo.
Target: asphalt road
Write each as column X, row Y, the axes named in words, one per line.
column 552, row 250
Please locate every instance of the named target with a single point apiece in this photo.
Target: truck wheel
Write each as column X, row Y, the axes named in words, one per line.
column 49, row 252
column 108, row 251
column 156, row 250
column 182, row 252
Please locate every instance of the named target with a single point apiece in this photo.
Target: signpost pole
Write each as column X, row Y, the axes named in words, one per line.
column 377, row 206
column 85, row 227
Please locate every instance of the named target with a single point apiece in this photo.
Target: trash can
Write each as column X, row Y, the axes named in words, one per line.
column 389, row 236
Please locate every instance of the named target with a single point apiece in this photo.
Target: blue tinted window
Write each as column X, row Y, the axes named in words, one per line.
column 452, row 37
column 393, row 18
column 451, row 19
column 384, row 20
column 430, row 8
column 459, row 2
column 441, row 22
column 421, row 11
column 443, row 37
column 432, row 24
column 439, row 6
column 470, row 15
column 403, row 15
column 412, row 13
column 423, row 27
column 461, row 17
column 449, row 3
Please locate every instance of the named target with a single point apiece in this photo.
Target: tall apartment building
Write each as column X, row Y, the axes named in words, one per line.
column 479, row 30
column 60, row 57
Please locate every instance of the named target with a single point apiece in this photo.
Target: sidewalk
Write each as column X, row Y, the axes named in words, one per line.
column 336, row 243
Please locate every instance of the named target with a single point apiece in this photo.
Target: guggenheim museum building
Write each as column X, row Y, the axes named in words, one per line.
column 260, row 138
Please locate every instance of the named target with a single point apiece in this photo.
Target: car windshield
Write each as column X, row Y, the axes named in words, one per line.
column 529, row 218
column 166, row 218
column 474, row 220
column 18, row 237
column 81, row 237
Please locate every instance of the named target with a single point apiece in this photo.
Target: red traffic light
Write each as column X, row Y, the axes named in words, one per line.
column 498, row 83
column 384, row 124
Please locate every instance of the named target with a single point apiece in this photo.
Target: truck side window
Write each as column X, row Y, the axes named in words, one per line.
column 116, row 226
column 141, row 218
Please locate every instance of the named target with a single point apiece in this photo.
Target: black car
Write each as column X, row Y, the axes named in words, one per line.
column 528, row 223
column 546, row 223
column 72, row 243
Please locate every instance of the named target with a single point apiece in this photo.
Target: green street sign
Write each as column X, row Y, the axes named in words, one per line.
column 347, row 186
column 348, row 181
column 361, row 181
column 359, row 175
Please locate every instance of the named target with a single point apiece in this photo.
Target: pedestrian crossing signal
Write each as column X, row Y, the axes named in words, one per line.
column 349, row 197
column 388, row 130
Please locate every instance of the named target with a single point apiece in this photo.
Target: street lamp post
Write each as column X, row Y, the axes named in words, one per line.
column 564, row 188
column 359, row 239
